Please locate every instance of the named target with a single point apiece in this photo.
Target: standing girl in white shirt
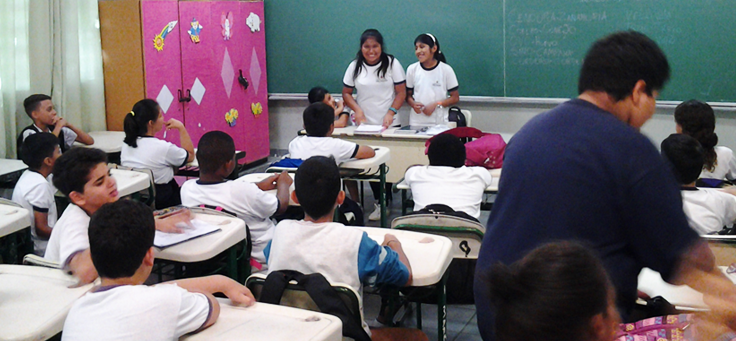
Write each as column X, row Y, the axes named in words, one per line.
column 427, row 83
column 380, row 81
column 143, row 150
column 696, row 119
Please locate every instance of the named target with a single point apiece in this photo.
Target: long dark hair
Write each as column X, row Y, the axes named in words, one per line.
column 551, row 294
column 385, row 60
column 136, row 121
column 431, row 40
column 698, row 120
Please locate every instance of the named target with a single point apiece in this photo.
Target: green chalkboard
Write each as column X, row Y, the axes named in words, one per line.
column 513, row 48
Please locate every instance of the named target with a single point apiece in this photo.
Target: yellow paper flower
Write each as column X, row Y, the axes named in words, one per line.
column 228, row 117
column 158, row 42
column 256, row 108
column 234, row 113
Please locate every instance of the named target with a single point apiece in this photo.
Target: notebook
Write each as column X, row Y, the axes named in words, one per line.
column 198, row 229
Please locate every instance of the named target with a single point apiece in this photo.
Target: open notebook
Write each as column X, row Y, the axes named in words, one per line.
column 198, row 229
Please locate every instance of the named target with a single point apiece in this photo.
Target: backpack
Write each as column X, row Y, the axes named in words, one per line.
column 486, row 150
column 454, row 114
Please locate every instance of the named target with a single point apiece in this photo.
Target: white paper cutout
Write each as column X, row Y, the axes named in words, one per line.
column 227, row 21
column 227, row 73
column 197, row 91
column 164, row 98
column 254, row 22
column 255, row 71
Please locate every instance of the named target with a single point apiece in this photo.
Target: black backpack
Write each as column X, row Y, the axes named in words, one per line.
column 456, row 115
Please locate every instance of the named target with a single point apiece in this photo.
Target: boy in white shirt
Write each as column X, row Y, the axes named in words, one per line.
column 45, row 120
column 122, row 308
column 249, row 201
column 447, row 180
column 317, row 245
column 708, row 210
column 34, row 192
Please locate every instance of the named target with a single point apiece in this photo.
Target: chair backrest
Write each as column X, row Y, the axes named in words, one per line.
column 151, row 200
column 466, row 235
column 468, row 116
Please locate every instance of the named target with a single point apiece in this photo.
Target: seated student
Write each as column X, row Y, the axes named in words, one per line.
column 446, row 180
column 316, row 244
column 574, row 301
column 34, row 192
column 320, row 94
column 41, row 110
column 143, row 150
column 121, row 307
column 249, row 201
column 708, row 210
column 82, row 175
column 696, row 119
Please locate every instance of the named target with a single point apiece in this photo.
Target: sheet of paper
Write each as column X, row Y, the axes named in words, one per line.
column 199, row 228
column 369, row 128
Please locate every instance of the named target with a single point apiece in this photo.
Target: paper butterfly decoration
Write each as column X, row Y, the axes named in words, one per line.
column 227, row 21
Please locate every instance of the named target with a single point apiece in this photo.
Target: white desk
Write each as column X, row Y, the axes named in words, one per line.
column 10, row 166
column 13, row 219
column 681, row 296
column 267, row 322
column 130, row 182
column 108, row 141
column 35, row 301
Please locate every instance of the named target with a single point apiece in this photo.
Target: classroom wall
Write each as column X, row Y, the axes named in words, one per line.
column 285, row 120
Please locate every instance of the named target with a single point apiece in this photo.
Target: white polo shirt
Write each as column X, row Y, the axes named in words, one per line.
column 304, row 147
column 708, row 209
column 430, row 86
column 725, row 165
column 69, row 235
column 35, row 193
column 160, row 156
column 375, row 93
column 460, row 188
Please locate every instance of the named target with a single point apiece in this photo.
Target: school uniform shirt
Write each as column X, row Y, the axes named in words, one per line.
column 36, row 194
column 136, row 312
column 708, row 209
column 243, row 199
column 460, row 188
column 304, row 147
column 725, row 165
column 69, row 235
column 342, row 254
column 430, row 86
column 160, row 156
column 67, row 136
column 375, row 93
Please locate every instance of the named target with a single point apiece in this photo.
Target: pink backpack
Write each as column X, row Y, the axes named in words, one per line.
column 486, row 150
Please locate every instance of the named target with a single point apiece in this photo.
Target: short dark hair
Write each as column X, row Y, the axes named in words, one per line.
column 318, row 117
column 215, row 148
column 317, row 184
column 446, row 150
column 698, row 120
column 616, row 62
column 685, row 156
column 31, row 103
column 120, row 234
column 135, row 123
column 317, row 94
column 37, row 147
column 554, row 290
column 71, row 170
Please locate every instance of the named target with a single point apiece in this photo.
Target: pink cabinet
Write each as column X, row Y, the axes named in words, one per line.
column 194, row 53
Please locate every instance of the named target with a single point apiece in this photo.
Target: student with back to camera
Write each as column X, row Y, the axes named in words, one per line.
column 143, row 150
column 320, row 94
column 427, row 83
column 696, row 119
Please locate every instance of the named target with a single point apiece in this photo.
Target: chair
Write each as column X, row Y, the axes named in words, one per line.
column 150, row 197
column 468, row 116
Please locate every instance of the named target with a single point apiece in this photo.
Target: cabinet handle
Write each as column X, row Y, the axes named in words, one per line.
column 242, row 80
column 184, row 99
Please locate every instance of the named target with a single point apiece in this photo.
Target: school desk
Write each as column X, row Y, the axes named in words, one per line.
column 13, row 223
column 206, row 247
column 429, row 256
column 110, row 142
column 681, row 296
column 268, row 322
column 491, row 189
column 9, row 167
column 723, row 248
column 35, row 301
column 130, row 182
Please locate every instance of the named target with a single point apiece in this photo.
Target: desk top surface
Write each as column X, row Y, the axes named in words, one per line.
column 205, row 247
column 8, row 166
column 108, row 141
column 13, row 219
column 429, row 255
column 129, row 182
column 267, row 322
column 35, row 301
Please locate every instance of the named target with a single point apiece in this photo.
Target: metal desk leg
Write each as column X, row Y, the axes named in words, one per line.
column 442, row 308
column 403, row 204
column 232, row 262
column 382, row 191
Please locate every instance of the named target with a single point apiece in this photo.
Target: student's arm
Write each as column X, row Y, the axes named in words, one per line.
column 82, row 267
column 41, row 219
column 453, row 99
column 341, row 116
column 417, row 106
column 82, row 137
column 365, row 152
column 167, row 223
column 400, row 97
column 184, row 139
column 268, row 183
column 209, row 285
column 382, row 265
column 394, row 244
column 283, row 183
column 347, row 96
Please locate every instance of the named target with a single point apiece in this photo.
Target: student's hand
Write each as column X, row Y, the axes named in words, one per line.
column 60, row 122
column 284, row 178
column 359, row 117
column 418, row 107
column 239, row 294
column 82, row 267
column 173, row 123
column 169, row 223
column 339, row 106
column 388, row 119
column 268, row 183
column 429, row 109
column 387, row 238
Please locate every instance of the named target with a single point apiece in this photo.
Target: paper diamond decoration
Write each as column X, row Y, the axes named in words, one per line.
column 227, row 73
column 197, row 91
column 164, row 98
column 255, row 71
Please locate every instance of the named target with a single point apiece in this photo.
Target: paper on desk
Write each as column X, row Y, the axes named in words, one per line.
column 434, row 130
column 198, row 229
column 369, row 128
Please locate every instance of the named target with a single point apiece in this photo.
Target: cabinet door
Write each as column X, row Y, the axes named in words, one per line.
column 254, row 62
column 162, row 58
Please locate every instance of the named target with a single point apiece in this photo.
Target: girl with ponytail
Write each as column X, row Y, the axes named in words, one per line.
column 696, row 119
column 143, row 150
column 428, row 83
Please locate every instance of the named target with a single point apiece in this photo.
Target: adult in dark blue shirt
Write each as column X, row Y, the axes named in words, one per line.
column 582, row 171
